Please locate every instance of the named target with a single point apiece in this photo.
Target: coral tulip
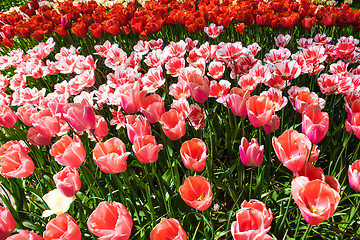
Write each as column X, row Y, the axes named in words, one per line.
column 15, row 164
column 25, row 235
column 152, row 107
column 68, row 152
column 7, row 117
column 273, row 125
column 62, row 227
column 292, row 149
column 251, row 154
column 315, row 124
column 354, row 175
column 110, row 221
column 173, row 124
column 259, row 110
column 168, row 229
column 237, row 101
column 137, row 125
column 146, row 149
column 7, row 223
column 68, row 181
column 111, row 156
column 196, row 192
column 193, row 154
column 316, row 200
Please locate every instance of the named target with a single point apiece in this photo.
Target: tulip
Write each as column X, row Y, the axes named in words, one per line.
column 199, row 87
column 111, row 156
column 15, row 164
column 36, row 138
column 292, row 149
column 252, row 221
column 96, row 30
column 101, row 128
column 196, row 192
column 137, row 125
column 110, row 221
column 193, row 154
column 62, row 227
column 79, row 29
column 18, row 146
column 197, row 116
column 24, row 235
column 259, row 110
column 152, row 107
column 237, row 101
column 7, row 117
column 68, row 181
column 24, row 113
column 353, row 125
column 145, row 148
column 129, row 96
column 45, row 123
column 316, row 200
column 311, row 172
column 80, row 116
column 251, row 154
column 168, row 229
column 68, row 152
column 173, row 124
column 273, row 125
column 57, row 202
column 354, row 175
column 315, row 124
column 7, row 223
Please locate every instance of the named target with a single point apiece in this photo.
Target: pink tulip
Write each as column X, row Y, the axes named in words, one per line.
column 24, row 113
column 7, row 223
column 315, row 124
column 237, row 101
column 137, row 125
column 80, row 116
column 36, row 138
column 273, row 125
column 101, row 128
column 259, row 110
column 62, row 227
column 68, row 181
column 16, row 165
column 146, row 149
column 129, row 96
column 252, row 221
column 45, row 123
column 251, row 154
column 193, row 154
column 152, row 107
column 25, row 235
column 354, row 175
column 199, row 87
column 7, row 117
column 173, row 124
column 316, row 200
column 111, row 156
column 69, row 152
column 110, row 221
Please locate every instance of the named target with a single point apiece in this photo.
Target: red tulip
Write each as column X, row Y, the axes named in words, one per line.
column 168, row 229
column 259, row 110
column 24, row 235
column 193, row 154
column 68, row 181
column 173, row 124
column 354, row 175
column 316, row 200
column 62, row 227
column 96, row 30
column 7, row 223
column 315, row 124
column 79, row 29
column 196, row 192
column 38, row 35
column 111, row 156
column 112, row 26
column 146, row 149
column 68, row 152
column 292, row 149
column 110, row 221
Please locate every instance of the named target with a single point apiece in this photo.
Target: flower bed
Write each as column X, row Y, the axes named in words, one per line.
column 194, row 138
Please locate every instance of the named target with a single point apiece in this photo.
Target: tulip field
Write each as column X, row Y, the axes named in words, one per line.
column 210, row 119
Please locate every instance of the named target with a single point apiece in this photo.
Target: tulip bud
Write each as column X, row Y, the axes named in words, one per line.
column 251, row 154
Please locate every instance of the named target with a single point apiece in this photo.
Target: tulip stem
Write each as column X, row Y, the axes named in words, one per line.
column 307, row 231
column 93, row 133
column 353, row 214
column 250, row 184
